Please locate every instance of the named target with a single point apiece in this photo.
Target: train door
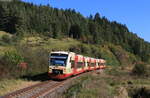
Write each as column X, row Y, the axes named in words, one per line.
column 89, row 63
column 85, row 64
column 95, row 64
column 73, row 60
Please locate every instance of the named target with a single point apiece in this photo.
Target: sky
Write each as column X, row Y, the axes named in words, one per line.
column 134, row 13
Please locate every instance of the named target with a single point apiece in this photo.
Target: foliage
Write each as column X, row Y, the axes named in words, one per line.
column 12, row 58
column 6, row 39
column 109, row 56
column 37, row 59
column 9, row 64
column 140, row 69
column 124, row 57
column 96, row 51
column 36, row 62
column 140, row 92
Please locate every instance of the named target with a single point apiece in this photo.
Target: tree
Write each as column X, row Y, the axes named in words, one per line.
column 8, row 19
column 75, row 31
column 97, row 17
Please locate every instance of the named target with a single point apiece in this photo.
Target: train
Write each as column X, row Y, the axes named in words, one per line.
column 64, row 64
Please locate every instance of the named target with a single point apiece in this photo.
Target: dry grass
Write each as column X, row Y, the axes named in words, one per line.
column 91, row 86
column 4, row 33
column 7, row 86
column 4, row 49
column 49, row 43
column 112, row 83
column 31, row 40
column 57, row 44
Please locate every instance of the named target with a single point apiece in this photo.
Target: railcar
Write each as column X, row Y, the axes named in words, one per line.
column 65, row 64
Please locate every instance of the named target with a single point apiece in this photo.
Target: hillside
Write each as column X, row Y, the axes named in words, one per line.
column 34, row 50
column 28, row 19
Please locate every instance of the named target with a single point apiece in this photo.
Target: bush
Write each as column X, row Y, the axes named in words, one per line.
column 9, row 64
column 12, row 58
column 139, row 92
column 140, row 69
column 124, row 57
column 37, row 59
column 109, row 56
column 6, row 39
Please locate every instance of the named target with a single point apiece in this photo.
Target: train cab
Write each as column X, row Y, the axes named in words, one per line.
column 59, row 65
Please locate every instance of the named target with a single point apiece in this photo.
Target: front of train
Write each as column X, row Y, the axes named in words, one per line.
column 58, row 65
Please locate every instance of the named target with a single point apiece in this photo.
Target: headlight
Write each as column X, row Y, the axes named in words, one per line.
column 64, row 70
column 50, row 69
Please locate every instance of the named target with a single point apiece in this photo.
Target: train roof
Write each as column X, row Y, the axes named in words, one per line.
column 62, row 52
column 80, row 56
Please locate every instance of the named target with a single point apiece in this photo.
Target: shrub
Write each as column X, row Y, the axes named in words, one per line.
column 140, row 69
column 25, row 62
column 109, row 56
column 12, row 58
column 142, row 92
column 37, row 59
column 124, row 57
column 6, row 39
column 9, row 65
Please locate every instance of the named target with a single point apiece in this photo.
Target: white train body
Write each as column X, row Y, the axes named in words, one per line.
column 65, row 64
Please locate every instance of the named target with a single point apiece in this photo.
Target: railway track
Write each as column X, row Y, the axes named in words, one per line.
column 32, row 91
column 47, row 89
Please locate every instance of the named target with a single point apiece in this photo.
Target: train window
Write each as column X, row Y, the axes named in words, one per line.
column 58, row 62
column 79, row 64
column 92, row 64
column 88, row 63
column 101, row 63
column 58, row 59
column 85, row 63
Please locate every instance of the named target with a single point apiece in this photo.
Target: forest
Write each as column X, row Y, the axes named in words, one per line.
column 21, row 19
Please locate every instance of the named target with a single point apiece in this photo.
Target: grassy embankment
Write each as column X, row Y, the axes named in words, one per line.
column 112, row 83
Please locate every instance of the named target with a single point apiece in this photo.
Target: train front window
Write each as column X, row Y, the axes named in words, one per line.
column 58, row 59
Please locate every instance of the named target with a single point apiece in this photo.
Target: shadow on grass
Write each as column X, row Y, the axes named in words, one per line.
column 38, row 77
